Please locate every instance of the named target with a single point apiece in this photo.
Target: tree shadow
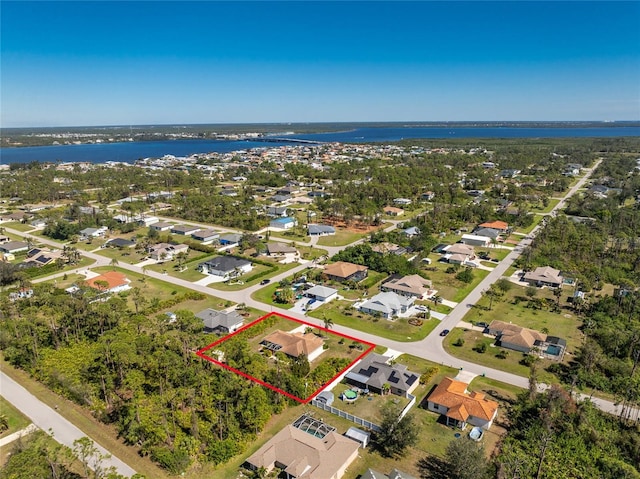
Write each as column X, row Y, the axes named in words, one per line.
column 432, row 467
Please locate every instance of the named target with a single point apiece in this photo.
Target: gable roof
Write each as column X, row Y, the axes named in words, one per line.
column 294, row 344
column 461, row 404
column 342, row 269
column 213, row 319
column 304, row 455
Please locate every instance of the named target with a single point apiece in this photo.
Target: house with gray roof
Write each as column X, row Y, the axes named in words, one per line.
column 387, row 305
column 321, row 230
column 225, row 266
column 220, row 321
column 186, row 230
column 373, row 373
column 13, row 247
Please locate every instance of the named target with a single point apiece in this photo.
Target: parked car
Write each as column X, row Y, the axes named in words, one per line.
column 444, row 332
column 265, row 281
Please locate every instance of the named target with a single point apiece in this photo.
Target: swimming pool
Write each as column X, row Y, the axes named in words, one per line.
column 349, row 394
column 553, row 350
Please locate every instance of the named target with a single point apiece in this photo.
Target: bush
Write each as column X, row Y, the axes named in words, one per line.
column 481, row 348
column 528, row 360
column 428, row 374
column 459, row 342
column 502, row 354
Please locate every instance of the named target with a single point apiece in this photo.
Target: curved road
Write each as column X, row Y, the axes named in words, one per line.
column 430, row 348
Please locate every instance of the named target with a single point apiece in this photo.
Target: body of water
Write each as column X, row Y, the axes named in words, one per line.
column 132, row 151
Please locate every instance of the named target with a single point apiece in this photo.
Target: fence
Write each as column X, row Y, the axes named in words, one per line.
column 349, row 417
column 412, row 401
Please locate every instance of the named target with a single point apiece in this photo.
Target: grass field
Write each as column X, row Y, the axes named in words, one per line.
column 16, row 225
column 341, row 238
column 15, row 418
column 398, row 330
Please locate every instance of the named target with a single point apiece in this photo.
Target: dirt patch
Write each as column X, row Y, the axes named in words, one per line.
column 351, row 226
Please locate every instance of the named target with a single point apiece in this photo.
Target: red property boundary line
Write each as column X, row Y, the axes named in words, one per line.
column 201, row 352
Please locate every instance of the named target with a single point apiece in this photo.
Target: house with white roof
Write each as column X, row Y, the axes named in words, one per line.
column 387, row 305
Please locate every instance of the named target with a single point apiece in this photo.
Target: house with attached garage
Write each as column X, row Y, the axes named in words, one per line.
column 225, row 266
column 93, row 233
column 285, row 223
column 544, row 276
column 321, row 230
column 287, row 253
column 375, row 374
column 411, row 286
column 277, row 211
column 387, row 305
column 206, row 236
column 110, row 282
column 13, row 247
column 186, row 230
column 220, row 321
column 161, row 226
column 306, row 449
column 294, row 344
column 460, row 407
column 342, row 271
column 166, row 251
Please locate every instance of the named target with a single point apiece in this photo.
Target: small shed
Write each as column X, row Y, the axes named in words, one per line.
column 325, row 397
column 358, row 435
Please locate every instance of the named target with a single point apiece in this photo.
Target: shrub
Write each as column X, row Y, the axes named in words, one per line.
column 459, row 342
column 502, row 354
column 481, row 348
column 428, row 374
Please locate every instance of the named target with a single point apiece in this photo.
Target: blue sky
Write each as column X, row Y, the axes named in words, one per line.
column 114, row 63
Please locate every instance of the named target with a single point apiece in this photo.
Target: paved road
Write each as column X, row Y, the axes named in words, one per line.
column 429, row 348
column 48, row 419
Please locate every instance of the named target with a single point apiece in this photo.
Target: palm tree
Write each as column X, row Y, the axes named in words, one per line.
column 328, row 322
column 437, row 299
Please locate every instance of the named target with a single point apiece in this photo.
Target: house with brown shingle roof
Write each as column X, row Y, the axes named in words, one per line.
column 343, row 271
column 544, row 276
column 512, row 336
column 304, row 454
column 460, row 407
column 393, row 211
column 412, row 286
column 294, row 344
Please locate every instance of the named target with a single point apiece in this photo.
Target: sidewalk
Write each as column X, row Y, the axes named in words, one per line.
column 18, row 434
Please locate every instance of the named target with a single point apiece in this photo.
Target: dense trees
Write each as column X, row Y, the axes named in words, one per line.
column 139, row 373
column 551, row 436
column 386, row 263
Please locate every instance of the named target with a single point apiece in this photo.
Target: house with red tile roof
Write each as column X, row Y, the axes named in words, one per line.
column 110, row 282
column 496, row 225
column 460, row 407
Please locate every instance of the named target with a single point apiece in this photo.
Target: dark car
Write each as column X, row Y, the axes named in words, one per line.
column 265, row 281
column 444, row 332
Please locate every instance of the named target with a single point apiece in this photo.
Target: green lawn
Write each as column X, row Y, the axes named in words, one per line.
column 446, row 284
column 515, row 306
column 265, row 295
column 536, row 220
column 509, row 364
column 340, row 312
column 16, row 225
column 257, row 268
column 16, row 419
column 550, row 206
column 341, row 238
column 310, row 252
